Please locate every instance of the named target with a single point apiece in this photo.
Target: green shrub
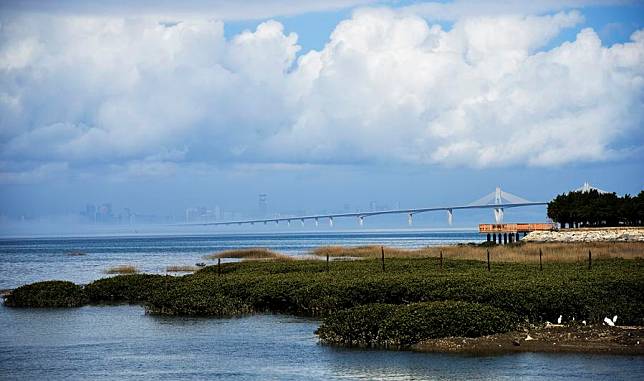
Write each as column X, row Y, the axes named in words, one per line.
column 412, row 323
column 133, row 288
column 359, row 326
column 47, row 294
column 400, row 326
column 186, row 299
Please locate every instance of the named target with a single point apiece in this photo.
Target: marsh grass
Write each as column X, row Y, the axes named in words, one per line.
column 514, row 253
column 182, row 269
column 122, row 269
column 251, row 254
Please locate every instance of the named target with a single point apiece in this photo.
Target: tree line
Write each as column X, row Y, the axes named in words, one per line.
column 575, row 209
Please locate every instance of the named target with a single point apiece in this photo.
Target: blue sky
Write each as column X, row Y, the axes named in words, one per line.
column 614, row 23
column 159, row 107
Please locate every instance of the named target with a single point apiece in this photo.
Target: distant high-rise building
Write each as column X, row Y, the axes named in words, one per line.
column 90, row 213
column 104, row 213
column 192, row 215
column 263, row 204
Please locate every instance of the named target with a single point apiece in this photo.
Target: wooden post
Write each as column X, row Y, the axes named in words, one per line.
column 441, row 257
column 382, row 250
column 488, row 259
column 327, row 262
column 590, row 260
column 218, row 266
column 540, row 264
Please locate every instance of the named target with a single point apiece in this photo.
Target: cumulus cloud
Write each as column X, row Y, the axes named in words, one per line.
column 389, row 86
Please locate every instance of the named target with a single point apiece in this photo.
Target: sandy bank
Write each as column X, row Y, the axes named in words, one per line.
column 573, row 339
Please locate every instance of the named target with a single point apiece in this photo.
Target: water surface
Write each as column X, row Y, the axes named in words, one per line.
column 121, row 342
column 25, row 261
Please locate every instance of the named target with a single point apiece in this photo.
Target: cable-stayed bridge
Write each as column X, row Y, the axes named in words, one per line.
column 498, row 200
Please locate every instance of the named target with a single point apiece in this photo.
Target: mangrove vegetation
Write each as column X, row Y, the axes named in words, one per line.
column 416, row 298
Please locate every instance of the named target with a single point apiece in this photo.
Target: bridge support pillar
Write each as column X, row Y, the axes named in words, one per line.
column 494, row 237
column 505, row 238
column 488, row 237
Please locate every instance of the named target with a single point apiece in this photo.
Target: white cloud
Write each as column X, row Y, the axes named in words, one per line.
column 142, row 95
column 389, row 87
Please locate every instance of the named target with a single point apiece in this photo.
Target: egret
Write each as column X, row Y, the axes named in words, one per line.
column 559, row 320
column 609, row 322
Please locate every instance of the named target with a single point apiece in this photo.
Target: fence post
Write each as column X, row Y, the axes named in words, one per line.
column 218, row 266
column 327, row 262
column 441, row 262
column 488, row 259
column 590, row 260
column 540, row 263
column 382, row 250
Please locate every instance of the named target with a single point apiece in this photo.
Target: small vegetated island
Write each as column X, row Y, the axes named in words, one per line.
column 433, row 299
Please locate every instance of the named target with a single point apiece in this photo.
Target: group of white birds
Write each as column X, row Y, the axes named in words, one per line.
column 611, row 322
column 607, row 321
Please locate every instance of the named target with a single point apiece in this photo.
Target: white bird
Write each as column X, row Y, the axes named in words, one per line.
column 583, row 322
column 609, row 322
column 559, row 320
column 615, row 319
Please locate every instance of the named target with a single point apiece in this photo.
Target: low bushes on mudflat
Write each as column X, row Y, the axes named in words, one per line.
column 403, row 325
column 134, row 288
column 613, row 287
column 47, row 294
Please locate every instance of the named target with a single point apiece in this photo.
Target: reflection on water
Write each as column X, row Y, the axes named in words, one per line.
column 122, row 342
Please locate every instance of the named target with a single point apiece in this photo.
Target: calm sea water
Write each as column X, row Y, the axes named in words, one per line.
column 122, row 342
column 29, row 260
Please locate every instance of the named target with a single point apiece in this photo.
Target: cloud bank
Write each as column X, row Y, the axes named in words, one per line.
column 388, row 87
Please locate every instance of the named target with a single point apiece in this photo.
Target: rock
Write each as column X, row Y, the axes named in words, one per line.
column 630, row 234
column 516, row 343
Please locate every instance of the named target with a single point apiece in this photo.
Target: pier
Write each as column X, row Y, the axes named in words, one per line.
column 508, row 233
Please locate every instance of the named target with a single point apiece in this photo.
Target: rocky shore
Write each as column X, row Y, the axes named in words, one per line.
column 635, row 234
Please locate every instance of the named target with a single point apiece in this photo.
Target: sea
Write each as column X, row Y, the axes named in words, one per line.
column 123, row 342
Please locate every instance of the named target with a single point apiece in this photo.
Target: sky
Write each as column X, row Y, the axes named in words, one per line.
column 159, row 106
